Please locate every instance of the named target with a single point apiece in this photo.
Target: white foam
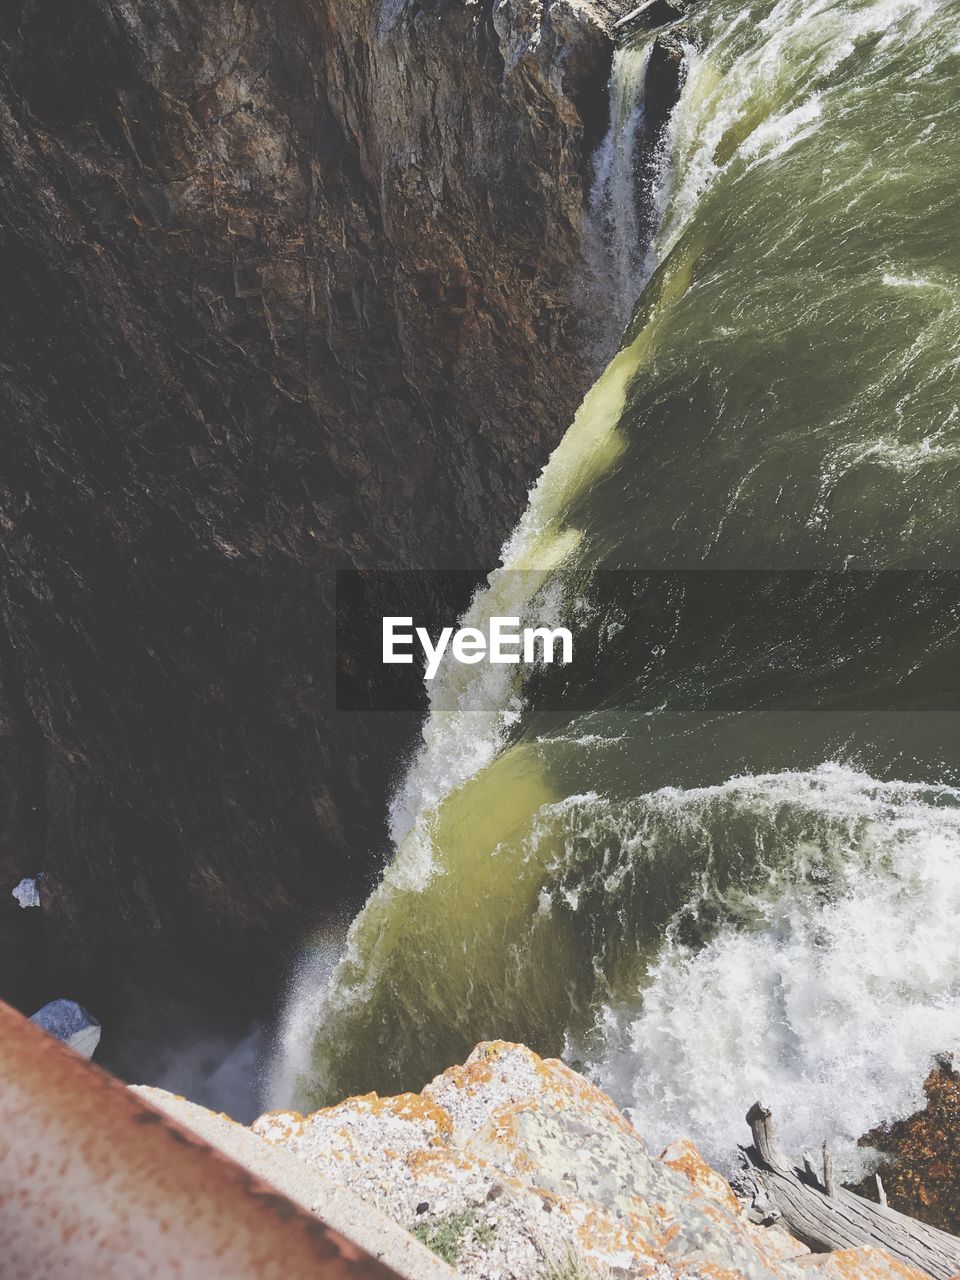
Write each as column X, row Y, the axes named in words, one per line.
column 830, row 1004
column 758, row 90
column 290, row 1064
column 908, row 282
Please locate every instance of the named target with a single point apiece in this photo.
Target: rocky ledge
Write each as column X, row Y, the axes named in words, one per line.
column 512, row 1167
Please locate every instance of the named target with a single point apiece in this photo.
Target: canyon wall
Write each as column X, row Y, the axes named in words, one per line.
column 288, row 286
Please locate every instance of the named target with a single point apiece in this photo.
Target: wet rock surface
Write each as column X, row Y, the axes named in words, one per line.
column 287, row 288
column 920, row 1155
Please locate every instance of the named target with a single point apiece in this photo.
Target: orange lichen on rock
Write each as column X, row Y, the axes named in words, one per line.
column 473, row 1073
column 865, row 1263
column 685, row 1157
column 567, row 1088
column 411, row 1106
column 601, row 1235
column 512, row 1161
column 708, row 1271
column 286, row 1124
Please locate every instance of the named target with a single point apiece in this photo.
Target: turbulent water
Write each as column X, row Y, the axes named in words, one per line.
column 700, row 908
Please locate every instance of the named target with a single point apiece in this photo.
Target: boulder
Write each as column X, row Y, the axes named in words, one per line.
column 68, row 1021
column 27, row 893
column 513, row 1166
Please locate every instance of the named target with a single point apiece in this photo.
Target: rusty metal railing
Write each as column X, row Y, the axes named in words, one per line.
column 96, row 1185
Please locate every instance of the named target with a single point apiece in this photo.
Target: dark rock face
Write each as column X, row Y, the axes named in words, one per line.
column 286, row 287
column 22, row 954
column 920, row 1171
column 665, row 75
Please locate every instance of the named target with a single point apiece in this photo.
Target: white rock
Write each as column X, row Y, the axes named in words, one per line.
column 70, row 1022
column 27, row 893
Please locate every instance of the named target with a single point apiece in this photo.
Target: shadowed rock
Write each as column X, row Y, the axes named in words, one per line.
column 287, row 287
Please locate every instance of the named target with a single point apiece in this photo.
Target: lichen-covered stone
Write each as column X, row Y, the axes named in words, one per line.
column 517, row 1163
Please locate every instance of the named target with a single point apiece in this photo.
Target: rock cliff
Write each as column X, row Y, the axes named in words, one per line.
column 287, row 287
column 512, row 1167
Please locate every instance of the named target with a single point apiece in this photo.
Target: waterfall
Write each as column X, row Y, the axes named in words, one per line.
column 616, row 234
column 768, row 899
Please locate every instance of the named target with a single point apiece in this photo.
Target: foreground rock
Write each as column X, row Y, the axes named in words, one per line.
column 339, row 1208
column 517, row 1168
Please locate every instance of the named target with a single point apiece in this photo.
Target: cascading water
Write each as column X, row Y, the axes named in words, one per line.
column 703, row 908
column 617, row 240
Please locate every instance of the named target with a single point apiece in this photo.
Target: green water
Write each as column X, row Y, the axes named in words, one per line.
column 798, row 403
column 671, row 899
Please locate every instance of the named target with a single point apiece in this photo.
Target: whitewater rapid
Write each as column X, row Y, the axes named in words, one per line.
column 824, row 988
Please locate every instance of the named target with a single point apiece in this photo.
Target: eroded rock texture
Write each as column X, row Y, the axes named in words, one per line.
column 287, row 286
column 514, row 1166
column 920, row 1169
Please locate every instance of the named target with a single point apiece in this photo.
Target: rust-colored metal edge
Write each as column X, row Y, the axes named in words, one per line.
column 96, row 1183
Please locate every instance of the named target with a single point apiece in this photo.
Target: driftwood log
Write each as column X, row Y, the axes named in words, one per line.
column 826, row 1217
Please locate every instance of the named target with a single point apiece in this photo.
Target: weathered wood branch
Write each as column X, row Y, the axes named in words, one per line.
column 836, row 1218
column 828, row 1183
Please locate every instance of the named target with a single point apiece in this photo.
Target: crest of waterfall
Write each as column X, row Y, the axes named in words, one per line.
column 616, row 235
